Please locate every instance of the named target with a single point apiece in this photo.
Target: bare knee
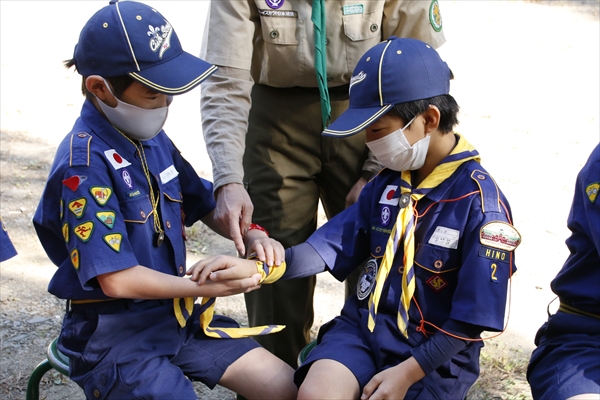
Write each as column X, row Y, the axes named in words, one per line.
column 258, row 374
column 328, row 379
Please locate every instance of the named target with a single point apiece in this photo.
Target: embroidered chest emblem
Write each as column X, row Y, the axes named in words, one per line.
column 366, row 281
column 437, row 283
column 274, row 4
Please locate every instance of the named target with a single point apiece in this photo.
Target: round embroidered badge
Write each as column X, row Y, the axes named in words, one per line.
column 435, row 16
column 366, row 280
column 274, row 4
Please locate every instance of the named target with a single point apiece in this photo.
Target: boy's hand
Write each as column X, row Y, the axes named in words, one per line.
column 267, row 250
column 221, row 268
column 393, row 383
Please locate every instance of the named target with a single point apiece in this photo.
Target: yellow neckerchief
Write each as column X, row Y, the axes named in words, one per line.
column 269, row 275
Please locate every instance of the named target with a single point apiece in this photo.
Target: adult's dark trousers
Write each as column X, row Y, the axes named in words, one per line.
column 288, row 167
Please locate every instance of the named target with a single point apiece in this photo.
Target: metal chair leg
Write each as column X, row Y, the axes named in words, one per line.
column 33, row 385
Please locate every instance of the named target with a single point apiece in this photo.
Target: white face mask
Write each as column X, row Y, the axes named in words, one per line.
column 138, row 123
column 395, row 153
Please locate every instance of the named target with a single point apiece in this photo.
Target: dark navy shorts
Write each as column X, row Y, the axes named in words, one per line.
column 124, row 349
column 566, row 361
column 343, row 341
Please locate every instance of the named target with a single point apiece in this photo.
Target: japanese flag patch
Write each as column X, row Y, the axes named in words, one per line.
column 387, row 197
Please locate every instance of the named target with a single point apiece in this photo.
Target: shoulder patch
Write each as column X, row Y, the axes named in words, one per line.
column 80, row 150
column 591, row 191
column 499, row 235
column 490, row 195
column 435, row 16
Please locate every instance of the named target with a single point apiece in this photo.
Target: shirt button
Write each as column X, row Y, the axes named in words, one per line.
column 374, row 27
column 401, row 269
column 438, row 264
column 82, row 135
column 168, row 225
column 180, row 269
column 378, row 249
column 97, row 393
column 274, row 34
column 143, row 214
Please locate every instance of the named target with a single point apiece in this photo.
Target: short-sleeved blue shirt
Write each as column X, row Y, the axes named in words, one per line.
column 95, row 214
column 463, row 251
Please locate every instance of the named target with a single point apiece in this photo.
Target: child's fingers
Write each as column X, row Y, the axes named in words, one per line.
column 210, row 265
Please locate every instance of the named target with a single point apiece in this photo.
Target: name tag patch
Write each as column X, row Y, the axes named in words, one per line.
column 494, row 254
column 445, row 237
column 278, row 13
column 168, row 174
column 353, row 9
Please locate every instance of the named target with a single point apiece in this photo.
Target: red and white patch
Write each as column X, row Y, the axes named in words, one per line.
column 116, row 160
column 74, row 181
column 387, row 197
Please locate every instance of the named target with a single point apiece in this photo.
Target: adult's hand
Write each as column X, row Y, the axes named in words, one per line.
column 352, row 196
column 234, row 212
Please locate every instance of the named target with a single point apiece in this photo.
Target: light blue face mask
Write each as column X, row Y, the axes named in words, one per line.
column 137, row 123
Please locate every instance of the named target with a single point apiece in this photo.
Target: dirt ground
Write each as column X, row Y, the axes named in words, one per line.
column 527, row 82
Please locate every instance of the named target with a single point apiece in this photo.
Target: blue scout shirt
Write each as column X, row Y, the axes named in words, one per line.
column 464, row 244
column 95, row 214
column 578, row 282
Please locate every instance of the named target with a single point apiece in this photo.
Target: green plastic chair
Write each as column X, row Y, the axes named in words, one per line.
column 306, row 351
column 54, row 359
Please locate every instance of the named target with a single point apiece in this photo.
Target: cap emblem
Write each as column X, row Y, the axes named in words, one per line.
column 160, row 38
column 361, row 76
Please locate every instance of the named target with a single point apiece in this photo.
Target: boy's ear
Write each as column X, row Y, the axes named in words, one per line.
column 432, row 119
column 96, row 85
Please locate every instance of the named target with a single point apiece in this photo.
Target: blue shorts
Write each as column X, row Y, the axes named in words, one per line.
column 345, row 341
column 124, row 349
column 565, row 363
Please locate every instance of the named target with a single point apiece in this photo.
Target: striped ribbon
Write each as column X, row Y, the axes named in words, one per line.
column 404, row 229
column 207, row 306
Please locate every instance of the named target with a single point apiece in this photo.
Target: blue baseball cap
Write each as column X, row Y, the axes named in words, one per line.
column 131, row 38
column 395, row 71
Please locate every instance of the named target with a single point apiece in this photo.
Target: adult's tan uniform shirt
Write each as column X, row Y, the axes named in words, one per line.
column 275, row 47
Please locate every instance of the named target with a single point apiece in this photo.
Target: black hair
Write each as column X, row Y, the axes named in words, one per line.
column 445, row 103
column 118, row 83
